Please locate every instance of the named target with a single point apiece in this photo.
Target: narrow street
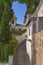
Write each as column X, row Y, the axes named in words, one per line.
column 21, row 57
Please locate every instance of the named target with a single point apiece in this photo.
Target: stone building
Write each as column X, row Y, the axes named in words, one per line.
column 35, row 36
column 13, row 22
column 16, row 26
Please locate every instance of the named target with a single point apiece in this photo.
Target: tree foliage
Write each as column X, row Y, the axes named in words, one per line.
column 7, row 43
column 31, row 5
column 6, row 14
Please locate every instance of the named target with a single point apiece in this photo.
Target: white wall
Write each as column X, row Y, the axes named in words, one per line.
column 10, row 60
column 28, row 49
column 29, row 43
column 29, row 27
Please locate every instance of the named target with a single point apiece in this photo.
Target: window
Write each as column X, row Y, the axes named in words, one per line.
column 12, row 21
column 29, row 31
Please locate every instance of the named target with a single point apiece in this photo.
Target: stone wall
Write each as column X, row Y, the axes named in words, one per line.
column 37, row 48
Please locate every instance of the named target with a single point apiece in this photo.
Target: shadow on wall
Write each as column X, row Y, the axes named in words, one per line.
column 21, row 57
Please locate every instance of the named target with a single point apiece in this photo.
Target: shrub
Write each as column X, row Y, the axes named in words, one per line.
column 13, row 44
column 18, row 32
column 7, row 49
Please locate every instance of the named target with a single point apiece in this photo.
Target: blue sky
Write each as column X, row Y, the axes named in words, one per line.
column 19, row 10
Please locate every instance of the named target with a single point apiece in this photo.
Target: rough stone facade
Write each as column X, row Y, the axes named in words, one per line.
column 37, row 48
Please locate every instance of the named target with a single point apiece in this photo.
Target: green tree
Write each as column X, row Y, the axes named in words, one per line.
column 31, row 5
column 5, row 17
column 6, row 14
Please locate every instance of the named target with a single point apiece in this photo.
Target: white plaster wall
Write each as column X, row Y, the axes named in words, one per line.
column 29, row 49
column 28, row 43
column 10, row 60
column 29, row 27
column 40, row 11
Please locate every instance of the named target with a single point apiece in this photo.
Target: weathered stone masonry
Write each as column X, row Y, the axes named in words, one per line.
column 37, row 45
